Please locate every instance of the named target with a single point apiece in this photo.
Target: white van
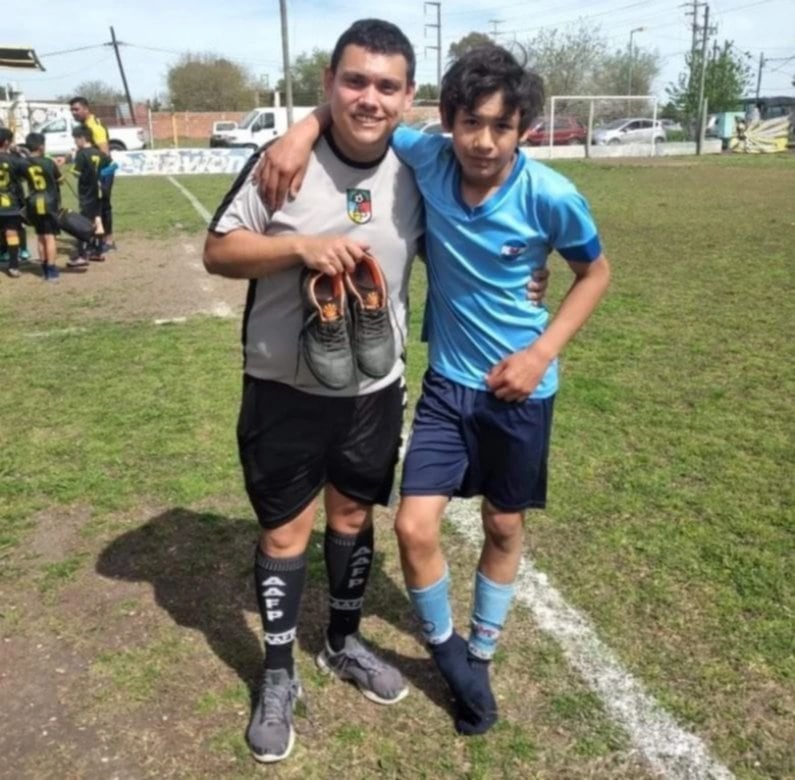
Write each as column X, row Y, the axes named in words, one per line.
column 259, row 126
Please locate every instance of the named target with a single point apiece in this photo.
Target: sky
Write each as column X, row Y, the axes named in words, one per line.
column 249, row 32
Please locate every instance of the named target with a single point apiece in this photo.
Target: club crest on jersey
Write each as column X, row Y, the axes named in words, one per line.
column 512, row 249
column 360, row 206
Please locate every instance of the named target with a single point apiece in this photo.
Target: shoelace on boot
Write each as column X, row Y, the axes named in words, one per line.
column 275, row 700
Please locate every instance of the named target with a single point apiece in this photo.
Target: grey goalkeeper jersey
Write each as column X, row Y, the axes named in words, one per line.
column 377, row 204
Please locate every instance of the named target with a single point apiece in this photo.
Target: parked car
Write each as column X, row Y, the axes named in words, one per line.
column 567, row 130
column 671, row 125
column 222, row 130
column 629, row 131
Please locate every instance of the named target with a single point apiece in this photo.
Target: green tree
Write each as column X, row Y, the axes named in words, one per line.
column 427, row 92
column 307, row 75
column 576, row 61
column 727, row 78
column 622, row 74
column 567, row 59
column 96, row 93
column 470, row 41
column 207, row 82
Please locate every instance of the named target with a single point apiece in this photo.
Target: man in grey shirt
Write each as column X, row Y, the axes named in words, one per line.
column 298, row 437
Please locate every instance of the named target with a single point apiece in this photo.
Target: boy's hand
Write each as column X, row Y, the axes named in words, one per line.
column 331, row 254
column 281, row 170
column 514, row 378
column 537, row 286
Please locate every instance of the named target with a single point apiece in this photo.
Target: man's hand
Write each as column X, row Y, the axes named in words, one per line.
column 537, row 286
column 514, row 378
column 332, row 254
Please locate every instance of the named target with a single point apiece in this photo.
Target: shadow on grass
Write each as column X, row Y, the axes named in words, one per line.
column 200, row 567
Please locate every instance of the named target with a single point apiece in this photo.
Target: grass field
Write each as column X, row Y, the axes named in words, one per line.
column 128, row 626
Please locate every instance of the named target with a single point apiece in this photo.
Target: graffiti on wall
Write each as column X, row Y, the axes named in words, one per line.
column 170, row 162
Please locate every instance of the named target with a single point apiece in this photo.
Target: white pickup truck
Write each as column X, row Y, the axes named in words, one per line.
column 58, row 136
column 257, row 127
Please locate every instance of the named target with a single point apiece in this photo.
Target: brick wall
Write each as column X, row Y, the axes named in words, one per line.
column 189, row 124
column 199, row 124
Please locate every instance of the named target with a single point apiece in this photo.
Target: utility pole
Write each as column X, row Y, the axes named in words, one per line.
column 694, row 29
column 700, row 105
column 631, row 59
column 288, row 79
column 115, row 44
column 495, row 33
column 759, row 74
column 438, row 46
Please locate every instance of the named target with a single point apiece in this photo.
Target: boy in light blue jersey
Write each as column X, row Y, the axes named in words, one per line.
column 483, row 422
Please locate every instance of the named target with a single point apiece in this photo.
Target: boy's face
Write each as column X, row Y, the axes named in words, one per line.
column 80, row 142
column 368, row 94
column 485, row 141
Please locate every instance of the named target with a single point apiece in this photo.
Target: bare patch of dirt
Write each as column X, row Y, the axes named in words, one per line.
column 144, row 279
column 54, row 532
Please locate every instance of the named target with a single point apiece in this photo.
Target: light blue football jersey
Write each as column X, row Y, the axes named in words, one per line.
column 480, row 259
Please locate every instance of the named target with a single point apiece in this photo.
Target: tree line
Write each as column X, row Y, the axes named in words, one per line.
column 572, row 61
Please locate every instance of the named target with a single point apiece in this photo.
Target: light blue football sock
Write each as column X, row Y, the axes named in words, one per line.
column 432, row 605
column 489, row 610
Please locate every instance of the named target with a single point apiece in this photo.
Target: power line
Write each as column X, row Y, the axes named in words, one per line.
column 69, row 51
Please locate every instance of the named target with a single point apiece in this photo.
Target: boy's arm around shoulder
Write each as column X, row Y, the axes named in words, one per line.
column 280, row 173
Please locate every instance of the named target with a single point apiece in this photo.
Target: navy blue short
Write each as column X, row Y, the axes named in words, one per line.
column 467, row 442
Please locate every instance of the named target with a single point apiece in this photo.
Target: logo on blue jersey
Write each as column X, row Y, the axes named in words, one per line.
column 360, row 206
column 513, row 249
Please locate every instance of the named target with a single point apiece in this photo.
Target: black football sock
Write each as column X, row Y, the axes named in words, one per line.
column 349, row 558
column 279, row 583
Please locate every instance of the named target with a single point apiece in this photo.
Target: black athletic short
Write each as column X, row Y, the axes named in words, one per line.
column 292, row 443
column 45, row 224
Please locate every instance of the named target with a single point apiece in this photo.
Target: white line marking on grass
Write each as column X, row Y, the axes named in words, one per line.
column 43, row 334
column 203, row 213
column 670, row 750
column 219, row 308
column 223, row 310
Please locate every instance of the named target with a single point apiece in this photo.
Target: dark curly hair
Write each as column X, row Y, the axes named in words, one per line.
column 377, row 36
column 485, row 70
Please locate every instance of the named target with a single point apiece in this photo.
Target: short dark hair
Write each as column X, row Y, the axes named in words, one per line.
column 34, row 141
column 377, row 36
column 482, row 72
column 78, row 101
column 83, row 132
column 5, row 135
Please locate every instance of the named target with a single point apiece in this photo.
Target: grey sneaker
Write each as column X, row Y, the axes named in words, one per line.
column 357, row 663
column 270, row 733
column 373, row 338
column 325, row 341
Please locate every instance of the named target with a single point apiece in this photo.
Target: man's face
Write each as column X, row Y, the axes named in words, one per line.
column 79, row 112
column 368, row 94
column 485, row 141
